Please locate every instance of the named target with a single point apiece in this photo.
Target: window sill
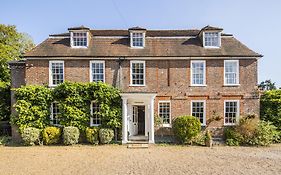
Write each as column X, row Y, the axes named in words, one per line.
column 229, row 124
column 95, row 125
column 79, row 47
column 231, row 85
column 212, row 47
column 137, row 85
column 198, row 85
column 137, row 47
column 166, row 126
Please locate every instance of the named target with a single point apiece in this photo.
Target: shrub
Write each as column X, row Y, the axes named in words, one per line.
column 92, row 135
column 186, row 127
column 51, row 135
column 30, row 136
column 199, row 139
column 70, row 135
column 106, row 135
column 251, row 131
column 4, row 140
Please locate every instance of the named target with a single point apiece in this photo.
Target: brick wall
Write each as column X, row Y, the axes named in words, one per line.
column 170, row 80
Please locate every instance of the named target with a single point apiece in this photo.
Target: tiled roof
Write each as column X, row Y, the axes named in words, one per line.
column 161, row 46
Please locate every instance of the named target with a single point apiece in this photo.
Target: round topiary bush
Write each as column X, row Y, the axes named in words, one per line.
column 92, row 135
column 186, row 127
column 70, row 135
column 30, row 136
column 106, row 135
column 51, row 135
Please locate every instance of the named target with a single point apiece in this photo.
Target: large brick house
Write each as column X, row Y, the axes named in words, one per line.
column 204, row 73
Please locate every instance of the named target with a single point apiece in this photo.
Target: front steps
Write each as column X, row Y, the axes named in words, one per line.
column 137, row 144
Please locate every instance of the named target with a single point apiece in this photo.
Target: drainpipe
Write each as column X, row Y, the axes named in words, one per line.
column 120, row 60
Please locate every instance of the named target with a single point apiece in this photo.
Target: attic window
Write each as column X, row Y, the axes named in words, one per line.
column 79, row 39
column 211, row 39
column 137, row 39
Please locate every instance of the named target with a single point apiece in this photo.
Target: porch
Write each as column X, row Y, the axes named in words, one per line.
column 138, row 117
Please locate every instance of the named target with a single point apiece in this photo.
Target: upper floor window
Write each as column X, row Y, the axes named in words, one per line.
column 164, row 111
column 97, row 71
column 56, row 72
column 137, row 73
column 198, row 110
column 54, row 114
column 79, row 39
column 231, row 72
column 198, row 73
column 95, row 114
column 137, row 39
column 231, row 112
column 211, row 39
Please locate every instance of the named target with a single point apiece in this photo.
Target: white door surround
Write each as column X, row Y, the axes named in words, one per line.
column 137, row 99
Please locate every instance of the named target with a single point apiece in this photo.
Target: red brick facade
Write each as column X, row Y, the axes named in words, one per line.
column 170, row 79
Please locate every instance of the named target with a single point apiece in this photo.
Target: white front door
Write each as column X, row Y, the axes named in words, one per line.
column 133, row 121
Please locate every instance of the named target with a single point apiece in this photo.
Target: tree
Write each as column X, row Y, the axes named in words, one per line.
column 267, row 85
column 12, row 46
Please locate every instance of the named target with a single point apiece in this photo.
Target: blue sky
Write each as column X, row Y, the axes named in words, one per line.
column 256, row 23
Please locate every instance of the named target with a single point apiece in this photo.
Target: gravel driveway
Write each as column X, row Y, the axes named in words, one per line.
column 115, row 159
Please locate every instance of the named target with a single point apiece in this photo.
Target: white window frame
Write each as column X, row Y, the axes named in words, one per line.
column 204, row 108
column 143, row 40
column 52, row 115
column 51, row 73
column 91, row 118
column 131, row 73
column 237, row 73
column 204, row 73
column 219, row 38
column 237, row 113
column 170, row 114
column 91, row 66
column 72, row 41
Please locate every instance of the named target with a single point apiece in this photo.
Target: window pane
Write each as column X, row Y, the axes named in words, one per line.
column 95, row 112
column 137, row 71
column 198, row 69
column 231, row 112
column 198, row 110
column 97, row 71
column 57, row 73
column 79, row 39
column 164, row 112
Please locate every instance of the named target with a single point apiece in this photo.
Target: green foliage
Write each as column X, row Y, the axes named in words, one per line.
column 186, row 127
column 271, row 107
column 251, row 131
column 33, row 107
column 74, row 99
column 70, row 135
column 106, row 135
column 12, row 46
column 199, row 139
column 51, row 135
column 5, row 100
column 92, row 135
column 5, row 140
column 267, row 85
column 30, row 136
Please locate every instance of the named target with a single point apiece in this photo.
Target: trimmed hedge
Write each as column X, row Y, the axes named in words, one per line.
column 51, row 135
column 106, row 135
column 70, row 135
column 92, row 135
column 31, row 136
column 185, row 128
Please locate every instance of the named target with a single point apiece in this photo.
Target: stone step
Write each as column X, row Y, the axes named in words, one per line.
column 218, row 141
column 137, row 145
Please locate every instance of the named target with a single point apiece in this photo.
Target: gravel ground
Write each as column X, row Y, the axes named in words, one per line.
column 115, row 159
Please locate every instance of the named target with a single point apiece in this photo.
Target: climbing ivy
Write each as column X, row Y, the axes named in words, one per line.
column 74, row 100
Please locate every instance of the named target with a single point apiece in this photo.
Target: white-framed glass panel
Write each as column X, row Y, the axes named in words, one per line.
column 55, row 112
column 56, row 72
column 164, row 112
column 137, row 73
column 95, row 119
column 231, row 72
column 211, row 39
column 97, row 71
column 137, row 39
column 79, row 39
column 231, row 112
column 198, row 73
column 135, row 114
column 198, row 109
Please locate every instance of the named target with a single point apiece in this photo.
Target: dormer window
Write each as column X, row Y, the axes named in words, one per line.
column 79, row 39
column 137, row 39
column 212, row 39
